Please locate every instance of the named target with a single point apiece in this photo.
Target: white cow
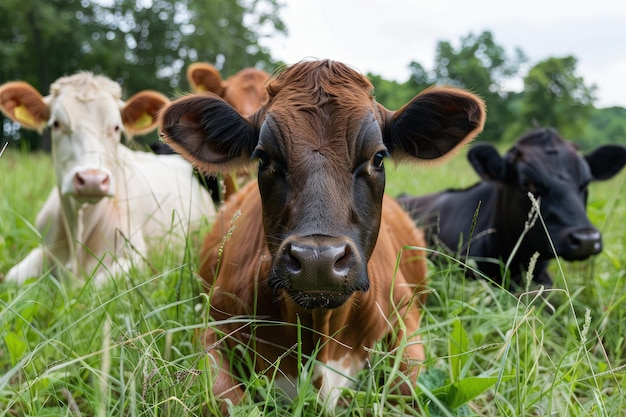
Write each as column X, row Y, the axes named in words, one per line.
column 111, row 204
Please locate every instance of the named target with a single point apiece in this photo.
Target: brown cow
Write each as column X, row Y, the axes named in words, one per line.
column 245, row 91
column 311, row 259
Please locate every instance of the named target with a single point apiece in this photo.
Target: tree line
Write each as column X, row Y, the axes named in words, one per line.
column 147, row 44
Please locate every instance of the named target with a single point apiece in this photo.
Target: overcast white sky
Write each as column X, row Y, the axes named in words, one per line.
column 384, row 36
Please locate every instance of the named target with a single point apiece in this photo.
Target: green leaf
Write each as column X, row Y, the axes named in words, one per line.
column 457, row 350
column 16, row 346
column 466, row 389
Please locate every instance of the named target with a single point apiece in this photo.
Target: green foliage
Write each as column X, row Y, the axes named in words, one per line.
column 483, row 67
column 147, row 45
column 391, row 94
column 142, row 45
column 605, row 126
column 555, row 96
column 132, row 348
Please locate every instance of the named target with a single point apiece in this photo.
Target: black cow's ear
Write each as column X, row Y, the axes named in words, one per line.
column 487, row 162
column 606, row 161
column 208, row 132
column 432, row 124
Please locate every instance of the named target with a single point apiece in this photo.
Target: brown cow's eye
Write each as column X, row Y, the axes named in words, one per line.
column 378, row 160
column 264, row 160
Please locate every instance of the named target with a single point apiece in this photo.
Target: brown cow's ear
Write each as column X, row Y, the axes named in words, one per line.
column 205, row 77
column 434, row 123
column 20, row 102
column 209, row 133
column 141, row 111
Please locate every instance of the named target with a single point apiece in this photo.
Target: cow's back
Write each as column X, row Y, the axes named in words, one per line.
column 158, row 186
column 450, row 218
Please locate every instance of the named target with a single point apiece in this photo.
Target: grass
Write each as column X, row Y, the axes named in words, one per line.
column 131, row 348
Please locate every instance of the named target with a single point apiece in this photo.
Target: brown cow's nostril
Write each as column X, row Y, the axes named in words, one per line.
column 291, row 262
column 344, row 262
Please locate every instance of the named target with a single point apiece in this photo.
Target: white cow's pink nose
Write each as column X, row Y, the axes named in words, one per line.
column 91, row 183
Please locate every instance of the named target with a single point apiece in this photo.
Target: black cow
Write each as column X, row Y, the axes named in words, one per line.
column 541, row 163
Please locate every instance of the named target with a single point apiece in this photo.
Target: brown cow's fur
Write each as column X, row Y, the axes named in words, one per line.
column 243, row 268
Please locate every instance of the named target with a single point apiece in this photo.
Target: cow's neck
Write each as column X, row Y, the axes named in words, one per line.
column 514, row 207
column 483, row 235
column 510, row 215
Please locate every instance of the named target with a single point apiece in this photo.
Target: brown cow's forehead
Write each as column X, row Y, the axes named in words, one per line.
column 319, row 89
column 343, row 139
column 319, row 107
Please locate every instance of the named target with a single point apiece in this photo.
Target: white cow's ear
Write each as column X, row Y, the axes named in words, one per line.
column 205, row 77
column 141, row 112
column 20, row 102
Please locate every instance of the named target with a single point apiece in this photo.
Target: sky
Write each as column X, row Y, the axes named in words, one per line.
column 384, row 36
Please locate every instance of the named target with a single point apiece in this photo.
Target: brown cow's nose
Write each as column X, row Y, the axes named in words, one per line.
column 319, row 271
column 319, row 267
column 583, row 243
column 91, row 183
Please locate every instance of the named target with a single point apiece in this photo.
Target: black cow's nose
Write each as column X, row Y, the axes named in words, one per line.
column 583, row 243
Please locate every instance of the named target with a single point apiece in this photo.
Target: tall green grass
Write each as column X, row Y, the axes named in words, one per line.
column 132, row 349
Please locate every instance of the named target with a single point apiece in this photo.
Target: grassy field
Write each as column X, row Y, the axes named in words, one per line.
column 130, row 349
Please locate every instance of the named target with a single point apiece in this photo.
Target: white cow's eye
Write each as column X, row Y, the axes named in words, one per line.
column 116, row 128
column 55, row 124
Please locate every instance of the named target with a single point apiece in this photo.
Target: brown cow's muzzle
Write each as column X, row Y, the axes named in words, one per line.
column 319, row 271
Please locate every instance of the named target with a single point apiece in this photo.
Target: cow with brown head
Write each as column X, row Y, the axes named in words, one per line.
column 317, row 241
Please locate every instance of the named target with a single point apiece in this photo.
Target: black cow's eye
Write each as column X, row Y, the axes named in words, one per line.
column 530, row 186
column 378, row 160
column 583, row 187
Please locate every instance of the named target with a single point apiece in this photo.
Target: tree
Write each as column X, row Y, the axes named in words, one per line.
column 606, row 125
column 38, row 43
column 483, row 67
column 555, row 96
column 140, row 44
column 390, row 93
